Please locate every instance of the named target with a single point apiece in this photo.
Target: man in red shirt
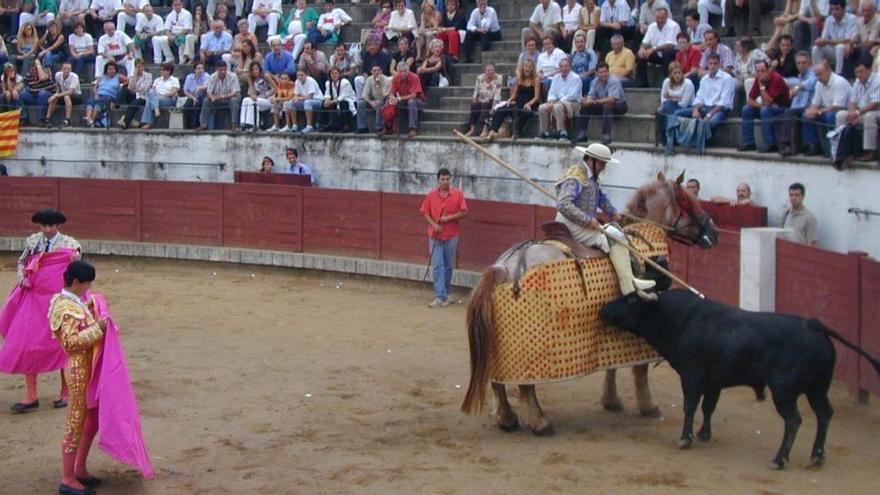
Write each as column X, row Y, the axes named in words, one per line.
column 406, row 88
column 768, row 98
column 442, row 208
column 688, row 57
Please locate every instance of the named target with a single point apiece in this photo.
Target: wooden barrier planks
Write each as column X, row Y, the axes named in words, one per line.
column 869, row 331
column 715, row 271
column 404, row 234
column 182, row 212
column 101, row 208
column 491, row 228
column 341, row 222
column 262, row 216
column 20, row 198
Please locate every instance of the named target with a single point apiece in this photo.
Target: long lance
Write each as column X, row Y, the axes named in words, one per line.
column 510, row 168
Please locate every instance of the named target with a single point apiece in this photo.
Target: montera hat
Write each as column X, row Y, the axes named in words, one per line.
column 598, row 151
column 49, row 216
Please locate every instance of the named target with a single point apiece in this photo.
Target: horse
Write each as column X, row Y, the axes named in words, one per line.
column 663, row 202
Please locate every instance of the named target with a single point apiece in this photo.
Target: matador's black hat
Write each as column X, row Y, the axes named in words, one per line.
column 49, row 216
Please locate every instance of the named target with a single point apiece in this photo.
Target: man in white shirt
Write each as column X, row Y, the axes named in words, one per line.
column 482, row 26
column 615, row 18
column 163, row 93
column 658, row 45
column 67, row 90
column 148, row 25
column 128, row 16
column 548, row 61
column 546, row 20
column 101, row 11
column 114, row 45
column 265, row 12
column 329, row 24
column 563, row 102
column 838, row 35
column 832, row 94
column 864, row 109
column 72, row 11
column 714, row 99
column 178, row 23
column 646, row 13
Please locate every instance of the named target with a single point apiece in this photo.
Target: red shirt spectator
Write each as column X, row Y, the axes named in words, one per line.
column 405, row 85
column 689, row 59
column 775, row 86
column 441, row 204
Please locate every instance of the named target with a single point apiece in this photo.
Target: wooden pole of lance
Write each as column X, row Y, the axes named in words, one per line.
column 510, row 168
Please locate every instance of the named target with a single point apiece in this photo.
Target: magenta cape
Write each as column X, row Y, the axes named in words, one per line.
column 28, row 345
column 119, row 423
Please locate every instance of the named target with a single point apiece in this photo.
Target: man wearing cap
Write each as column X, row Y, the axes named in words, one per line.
column 578, row 197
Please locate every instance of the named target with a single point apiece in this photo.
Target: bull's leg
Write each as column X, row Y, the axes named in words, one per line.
column 710, row 400
column 610, row 399
column 505, row 417
column 692, row 395
column 537, row 421
column 786, row 406
column 822, row 407
column 643, row 392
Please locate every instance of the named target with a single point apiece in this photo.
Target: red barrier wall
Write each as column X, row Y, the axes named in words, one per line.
column 869, row 323
column 342, row 222
column 736, row 217
column 263, row 216
column 181, row 212
column 20, row 197
column 716, row 271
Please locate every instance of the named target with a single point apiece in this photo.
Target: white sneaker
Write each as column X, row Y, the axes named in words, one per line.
column 294, row 128
column 274, row 128
column 284, row 129
column 307, row 129
column 438, row 303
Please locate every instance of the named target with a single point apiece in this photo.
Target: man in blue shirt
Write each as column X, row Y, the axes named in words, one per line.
column 295, row 167
column 801, row 97
column 278, row 61
column 215, row 44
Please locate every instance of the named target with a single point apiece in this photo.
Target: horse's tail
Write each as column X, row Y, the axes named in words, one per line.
column 479, row 325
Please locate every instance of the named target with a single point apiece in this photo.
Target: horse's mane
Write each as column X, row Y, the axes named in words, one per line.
column 638, row 204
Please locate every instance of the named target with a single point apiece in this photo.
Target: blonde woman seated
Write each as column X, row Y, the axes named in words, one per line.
column 677, row 93
column 524, row 100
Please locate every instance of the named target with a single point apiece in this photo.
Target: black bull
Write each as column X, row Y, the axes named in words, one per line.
column 714, row 346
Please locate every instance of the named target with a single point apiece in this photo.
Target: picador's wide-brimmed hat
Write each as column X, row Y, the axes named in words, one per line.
column 598, row 151
column 49, row 216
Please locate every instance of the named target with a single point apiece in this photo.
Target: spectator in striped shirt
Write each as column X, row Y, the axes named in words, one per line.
column 864, row 109
column 713, row 45
column 836, row 41
column 224, row 90
column 38, row 87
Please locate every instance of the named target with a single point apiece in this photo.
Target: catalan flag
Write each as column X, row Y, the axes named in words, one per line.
column 9, row 132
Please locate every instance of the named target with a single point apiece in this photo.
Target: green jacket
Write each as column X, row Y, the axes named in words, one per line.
column 309, row 15
column 44, row 6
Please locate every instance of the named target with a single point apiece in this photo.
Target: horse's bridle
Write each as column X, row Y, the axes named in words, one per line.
column 686, row 209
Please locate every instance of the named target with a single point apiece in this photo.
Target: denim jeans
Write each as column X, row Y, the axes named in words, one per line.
column 443, row 261
column 155, row 102
column 768, row 117
column 810, row 129
column 39, row 99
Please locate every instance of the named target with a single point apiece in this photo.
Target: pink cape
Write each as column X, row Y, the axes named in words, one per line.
column 29, row 346
column 119, row 423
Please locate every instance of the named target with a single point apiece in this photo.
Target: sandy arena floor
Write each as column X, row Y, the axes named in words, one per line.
column 258, row 380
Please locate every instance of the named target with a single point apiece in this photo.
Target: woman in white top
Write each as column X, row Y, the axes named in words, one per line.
column 402, row 23
column 259, row 93
column 340, row 102
column 571, row 20
column 67, row 90
column 677, row 93
column 307, row 97
column 134, row 93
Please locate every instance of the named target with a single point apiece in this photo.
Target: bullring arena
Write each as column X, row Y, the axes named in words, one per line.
column 272, row 380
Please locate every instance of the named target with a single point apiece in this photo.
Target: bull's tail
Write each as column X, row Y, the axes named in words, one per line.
column 479, row 327
column 819, row 326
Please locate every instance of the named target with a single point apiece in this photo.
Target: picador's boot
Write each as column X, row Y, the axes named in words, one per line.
column 619, row 256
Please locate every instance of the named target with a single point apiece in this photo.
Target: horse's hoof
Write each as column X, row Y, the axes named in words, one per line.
column 509, row 424
column 778, row 464
column 612, row 405
column 704, row 435
column 816, row 462
column 544, row 430
column 685, row 443
column 651, row 412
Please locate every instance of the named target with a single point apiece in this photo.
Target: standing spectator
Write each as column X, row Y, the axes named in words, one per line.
column 606, row 98
column 563, row 102
column 195, row 87
column 402, row 23
column 783, row 62
column 374, row 55
column 734, row 9
column 313, row 61
column 747, row 55
column 487, row 92
column 836, row 42
column 799, row 218
column 42, row 14
column 832, row 95
column 714, row 99
column 453, row 25
column 134, row 93
column 278, row 61
column 436, row 67
column 263, row 13
column 648, row 13
column 589, row 22
column 658, row 45
column 214, row 45
column 379, row 23
column 51, row 49
column 129, row 12
column 695, row 30
column 429, row 26
column 105, row 90
column 296, row 25
column 100, row 12
column 307, row 97
column 27, row 43
column 114, row 46
column 283, row 94
column 296, row 167
column 329, row 25
column 571, row 21
column 13, row 85
column 688, row 58
column 146, row 27
column 549, row 61
column 583, row 61
column 442, row 208
column 524, row 98
column 67, row 90
column 375, row 92
column 224, row 90
column 615, row 19
column 768, row 98
column 405, row 55
column 39, row 85
column 546, row 20
column 621, row 61
column 864, row 109
column 260, row 91
column 677, row 93
column 693, row 187
column 483, row 26
column 713, row 46
column 344, row 61
column 178, row 24
column 406, row 89
column 162, row 94
column 801, row 97
column 867, row 31
column 81, row 46
column 339, row 101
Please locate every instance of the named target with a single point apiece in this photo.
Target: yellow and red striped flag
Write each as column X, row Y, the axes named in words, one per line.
column 9, row 132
